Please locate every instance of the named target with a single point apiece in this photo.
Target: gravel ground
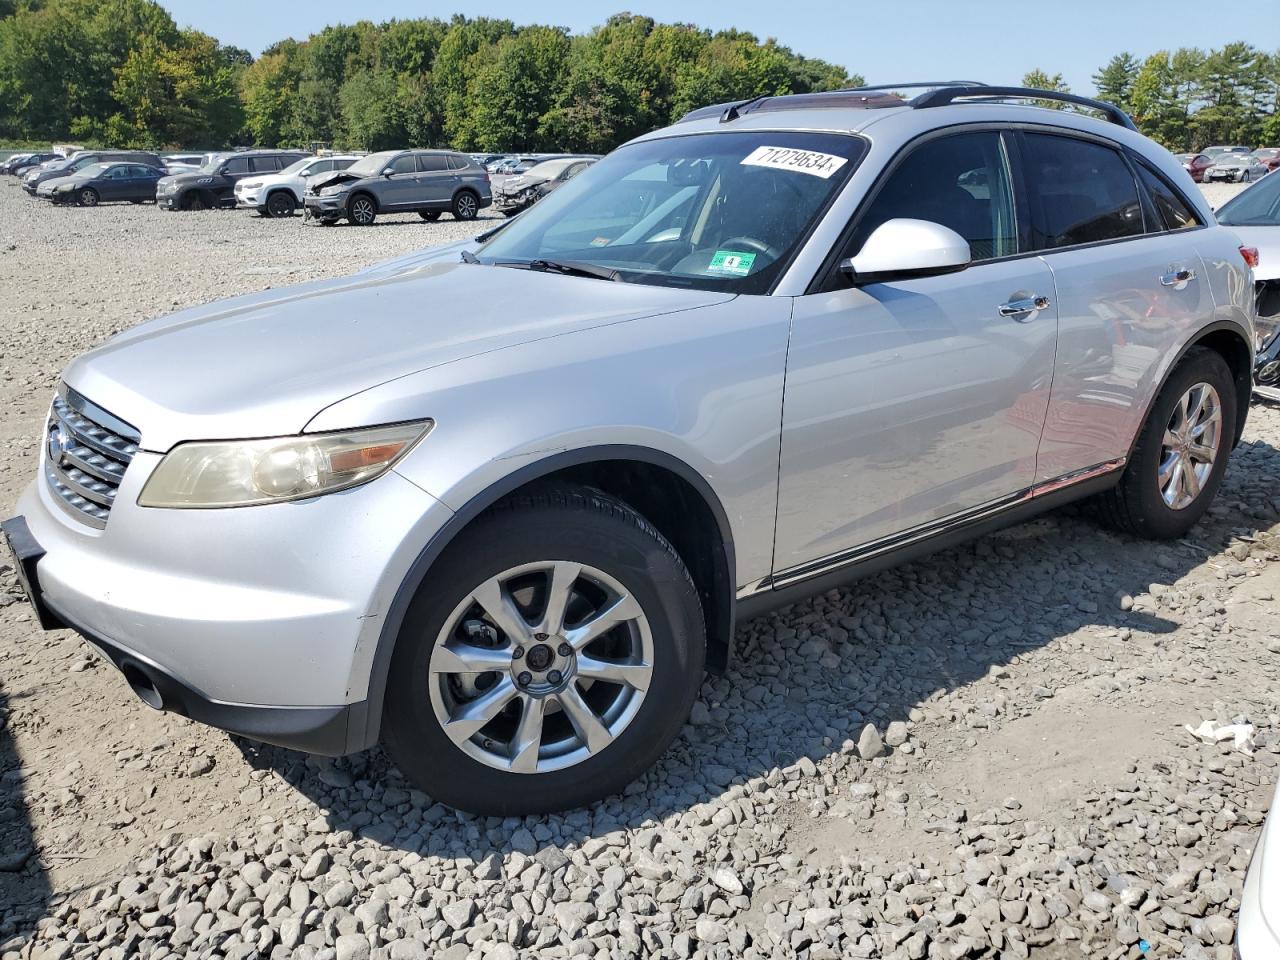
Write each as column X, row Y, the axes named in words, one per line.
column 978, row 755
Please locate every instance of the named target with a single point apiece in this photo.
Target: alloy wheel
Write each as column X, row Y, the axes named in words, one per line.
column 88, row 198
column 362, row 211
column 466, row 206
column 1189, row 450
column 541, row 667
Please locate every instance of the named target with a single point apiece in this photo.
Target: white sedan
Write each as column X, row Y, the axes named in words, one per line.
column 1254, row 214
column 1258, row 932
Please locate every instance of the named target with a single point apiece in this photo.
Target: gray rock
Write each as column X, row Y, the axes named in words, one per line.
column 870, row 745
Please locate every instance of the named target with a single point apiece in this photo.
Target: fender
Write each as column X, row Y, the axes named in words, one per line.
column 365, row 719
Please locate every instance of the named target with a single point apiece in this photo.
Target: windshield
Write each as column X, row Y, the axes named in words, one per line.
column 213, row 161
column 722, row 211
column 1258, row 206
column 93, row 169
column 548, row 168
column 372, row 165
column 296, row 167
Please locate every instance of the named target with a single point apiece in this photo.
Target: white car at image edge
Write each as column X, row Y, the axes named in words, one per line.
column 1258, row 931
column 280, row 194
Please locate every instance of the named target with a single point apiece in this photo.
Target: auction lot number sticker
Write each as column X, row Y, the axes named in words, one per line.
column 798, row 161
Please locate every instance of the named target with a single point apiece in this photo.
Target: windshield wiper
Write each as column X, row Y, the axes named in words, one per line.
column 575, row 269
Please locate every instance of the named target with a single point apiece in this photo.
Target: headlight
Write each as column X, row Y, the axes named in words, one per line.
column 249, row 186
column 248, row 472
column 332, row 191
column 64, row 187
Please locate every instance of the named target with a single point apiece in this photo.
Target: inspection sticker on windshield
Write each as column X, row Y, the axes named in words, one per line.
column 800, row 161
column 730, row 261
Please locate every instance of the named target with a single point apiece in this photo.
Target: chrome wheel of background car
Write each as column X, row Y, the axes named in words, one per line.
column 362, row 211
column 541, row 667
column 1190, row 446
column 88, row 197
column 465, row 207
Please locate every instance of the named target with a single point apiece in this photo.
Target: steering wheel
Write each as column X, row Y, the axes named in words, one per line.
column 757, row 245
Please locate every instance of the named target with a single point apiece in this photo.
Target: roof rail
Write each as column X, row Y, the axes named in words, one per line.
column 942, row 96
column 868, row 88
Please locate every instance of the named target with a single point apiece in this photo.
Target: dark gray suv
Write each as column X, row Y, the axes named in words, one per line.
column 429, row 182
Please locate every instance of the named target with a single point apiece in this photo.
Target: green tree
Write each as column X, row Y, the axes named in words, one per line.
column 1115, row 80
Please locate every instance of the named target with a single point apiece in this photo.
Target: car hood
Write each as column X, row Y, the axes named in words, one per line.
column 1267, row 240
column 267, row 363
column 333, row 177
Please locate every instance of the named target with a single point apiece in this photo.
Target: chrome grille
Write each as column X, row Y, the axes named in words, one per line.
column 86, row 453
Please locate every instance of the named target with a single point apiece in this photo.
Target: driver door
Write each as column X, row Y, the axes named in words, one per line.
column 914, row 404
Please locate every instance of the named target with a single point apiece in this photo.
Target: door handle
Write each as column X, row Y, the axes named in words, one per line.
column 1024, row 309
column 1175, row 277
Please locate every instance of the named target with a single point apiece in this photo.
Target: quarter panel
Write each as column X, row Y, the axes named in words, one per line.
column 701, row 385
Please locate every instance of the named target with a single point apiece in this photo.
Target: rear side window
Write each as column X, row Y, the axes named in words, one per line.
column 266, row 164
column 1080, row 192
column 960, row 181
column 457, row 163
column 432, row 162
column 1171, row 210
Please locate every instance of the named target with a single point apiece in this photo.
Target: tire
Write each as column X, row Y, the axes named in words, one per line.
column 88, row 197
column 361, row 210
column 511, row 213
column 466, row 205
column 196, row 200
column 1140, row 503
column 280, row 203
column 431, row 216
column 514, row 544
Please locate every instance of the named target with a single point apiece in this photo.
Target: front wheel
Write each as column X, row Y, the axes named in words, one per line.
column 281, row 204
column 431, row 216
column 1181, row 455
column 361, row 211
column 88, row 197
column 550, row 658
column 465, row 206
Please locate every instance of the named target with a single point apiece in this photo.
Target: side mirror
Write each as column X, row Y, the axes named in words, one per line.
column 387, row 172
column 904, row 249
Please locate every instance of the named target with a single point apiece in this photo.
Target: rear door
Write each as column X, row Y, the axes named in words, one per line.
column 435, row 180
column 915, row 405
column 1129, row 290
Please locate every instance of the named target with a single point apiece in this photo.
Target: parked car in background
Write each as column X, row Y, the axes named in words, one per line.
column 503, row 167
column 19, row 163
column 524, row 190
column 213, row 185
column 1195, row 164
column 1219, row 150
column 1258, row 928
column 280, row 194
column 429, row 182
column 1236, row 168
column 1254, row 215
column 484, row 159
column 1270, row 156
column 185, row 162
column 33, row 178
column 103, row 183
column 499, row 503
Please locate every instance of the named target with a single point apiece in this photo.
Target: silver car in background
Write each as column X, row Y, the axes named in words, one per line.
column 426, row 182
column 500, row 504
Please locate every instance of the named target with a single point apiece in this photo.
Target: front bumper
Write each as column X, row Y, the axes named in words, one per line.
column 259, row 620
column 324, row 208
column 248, row 200
column 167, row 201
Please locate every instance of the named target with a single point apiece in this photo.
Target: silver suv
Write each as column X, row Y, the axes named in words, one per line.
column 499, row 504
column 428, row 182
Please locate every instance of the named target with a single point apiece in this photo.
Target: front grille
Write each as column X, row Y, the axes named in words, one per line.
column 86, row 453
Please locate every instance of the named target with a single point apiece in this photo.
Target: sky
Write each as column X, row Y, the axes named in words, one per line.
column 993, row 41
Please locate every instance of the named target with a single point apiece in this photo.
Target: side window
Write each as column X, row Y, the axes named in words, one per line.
column 457, row 163
column 432, row 162
column 404, row 164
column 236, row 165
column 960, row 181
column 1080, row 192
column 1172, row 210
column 322, row 166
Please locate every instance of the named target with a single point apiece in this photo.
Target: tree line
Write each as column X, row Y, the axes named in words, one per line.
column 122, row 72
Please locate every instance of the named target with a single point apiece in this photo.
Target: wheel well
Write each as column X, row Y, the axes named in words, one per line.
column 1233, row 349
column 684, row 517
column 462, row 190
column 364, row 193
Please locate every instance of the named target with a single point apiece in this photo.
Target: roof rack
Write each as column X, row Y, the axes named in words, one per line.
column 868, row 88
column 944, row 95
